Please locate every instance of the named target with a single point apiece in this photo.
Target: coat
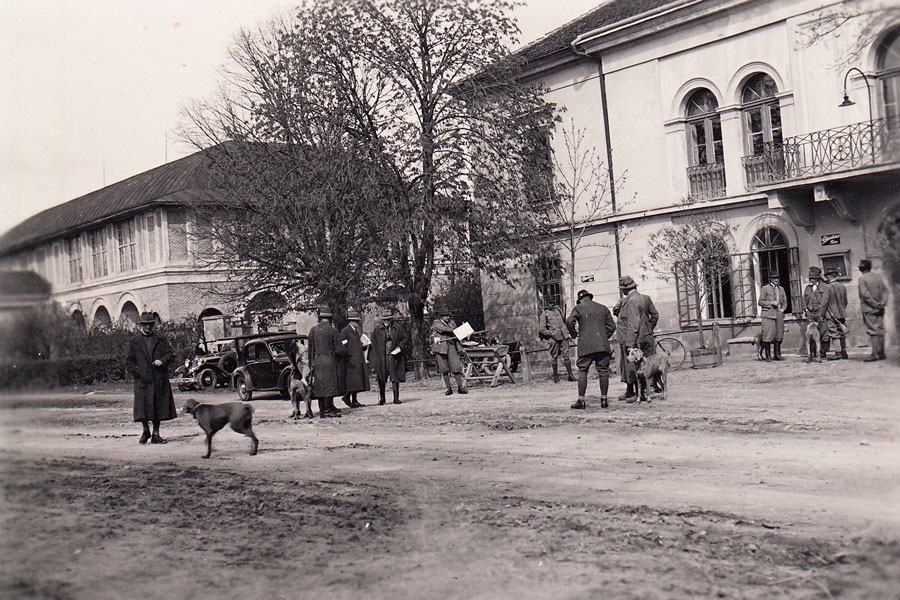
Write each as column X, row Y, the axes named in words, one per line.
column 872, row 294
column 153, row 399
column 773, row 301
column 553, row 325
column 385, row 338
column 442, row 330
column 354, row 369
column 299, row 358
column 816, row 300
column 593, row 325
column 838, row 304
column 325, row 350
column 637, row 320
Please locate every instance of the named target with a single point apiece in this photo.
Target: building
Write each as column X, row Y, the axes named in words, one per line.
column 729, row 107
column 129, row 247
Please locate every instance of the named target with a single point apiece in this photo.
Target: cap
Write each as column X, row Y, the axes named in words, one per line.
column 583, row 293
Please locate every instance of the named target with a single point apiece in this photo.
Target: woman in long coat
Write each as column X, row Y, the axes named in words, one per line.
column 354, row 370
column 149, row 355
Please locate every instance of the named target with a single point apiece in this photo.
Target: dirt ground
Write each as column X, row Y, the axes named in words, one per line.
column 751, row 481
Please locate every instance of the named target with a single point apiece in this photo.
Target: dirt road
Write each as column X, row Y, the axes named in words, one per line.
column 751, row 481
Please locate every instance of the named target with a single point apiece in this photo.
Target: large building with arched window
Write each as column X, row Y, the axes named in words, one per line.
column 732, row 108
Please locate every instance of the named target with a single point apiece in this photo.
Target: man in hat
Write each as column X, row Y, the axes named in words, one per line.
column 325, row 350
column 873, row 296
column 637, row 318
column 838, row 310
column 593, row 325
column 149, row 355
column 354, row 370
column 816, row 298
column 446, row 349
column 553, row 329
column 387, row 354
column 773, row 301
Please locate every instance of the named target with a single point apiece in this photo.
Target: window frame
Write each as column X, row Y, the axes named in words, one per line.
column 765, row 105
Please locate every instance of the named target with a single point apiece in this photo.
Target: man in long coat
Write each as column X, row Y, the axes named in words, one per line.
column 773, row 301
column 553, row 329
column 592, row 324
column 446, row 350
column 637, row 318
column 387, row 354
column 816, row 298
column 873, row 297
column 838, row 308
column 354, row 370
column 149, row 355
column 325, row 350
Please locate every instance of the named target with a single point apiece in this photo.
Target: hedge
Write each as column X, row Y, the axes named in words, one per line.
column 25, row 374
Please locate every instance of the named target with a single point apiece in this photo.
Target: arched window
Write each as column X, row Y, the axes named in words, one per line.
column 706, row 171
column 889, row 78
column 101, row 318
column 764, row 159
column 78, row 319
column 130, row 313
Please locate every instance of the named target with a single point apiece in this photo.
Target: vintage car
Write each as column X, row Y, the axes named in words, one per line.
column 206, row 371
column 263, row 365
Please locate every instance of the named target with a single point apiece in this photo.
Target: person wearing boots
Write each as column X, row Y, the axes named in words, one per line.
column 446, row 349
column 325, row 350
column 553, row 329
column 816, row 298
column 873, row 298
column 637, row 319
column 838, row 308
column 354, row 370
column 378, row 353
column 397, row 341
column 773, row 301
column 149, row 355
column 592, row 324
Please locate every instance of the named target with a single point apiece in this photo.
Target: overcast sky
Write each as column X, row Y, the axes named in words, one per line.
column 90, row 90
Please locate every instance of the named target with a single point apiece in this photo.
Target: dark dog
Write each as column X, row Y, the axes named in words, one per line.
column 300, row 390
column 651, row 371
column 757, row 343
column 213, row 417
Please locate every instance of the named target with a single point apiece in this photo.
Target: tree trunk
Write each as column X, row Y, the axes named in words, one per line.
column 571, row 276
column 699, row 310
column 417, row 332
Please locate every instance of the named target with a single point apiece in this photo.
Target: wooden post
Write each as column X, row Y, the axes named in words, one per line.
column 526, row 364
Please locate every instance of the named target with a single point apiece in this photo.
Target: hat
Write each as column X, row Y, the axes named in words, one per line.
column 584, row 293
column 626, row 283
column 353, row 315
column 147, row 318
column 387, row 313
column 442, row 309
column 865, row 263
column 832, row 272
column 323, row 311
column 815, row 272
column 773, row 274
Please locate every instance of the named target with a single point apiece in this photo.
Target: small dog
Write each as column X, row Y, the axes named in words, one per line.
column 813, row 341
column 651, row 371
column 213, row 417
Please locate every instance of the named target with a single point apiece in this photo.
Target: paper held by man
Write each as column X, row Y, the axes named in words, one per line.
column 463, row 331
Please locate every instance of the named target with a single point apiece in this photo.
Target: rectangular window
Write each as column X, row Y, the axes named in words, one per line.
column 151, row 239
column 125, row 235
column 837, row 261
column 98, row 253
column 73, row 249
column 548, row 280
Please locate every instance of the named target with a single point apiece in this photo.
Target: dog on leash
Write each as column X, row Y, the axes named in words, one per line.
column 213, row 417
column 651, row 371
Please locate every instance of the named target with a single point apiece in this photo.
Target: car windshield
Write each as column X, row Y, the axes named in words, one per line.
column 279, row 348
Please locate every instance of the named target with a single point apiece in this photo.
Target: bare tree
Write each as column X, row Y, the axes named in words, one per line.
column 579, row 197
column 693, row 253
column 860, row 22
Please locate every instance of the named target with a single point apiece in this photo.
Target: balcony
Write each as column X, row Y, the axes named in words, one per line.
column 707, row 181
column 824, row 152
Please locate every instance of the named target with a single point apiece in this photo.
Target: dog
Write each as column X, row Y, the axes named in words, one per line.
column 813, row 341
column 651, row 371
column 213, row 417
column 300, row 390
column 757, row 343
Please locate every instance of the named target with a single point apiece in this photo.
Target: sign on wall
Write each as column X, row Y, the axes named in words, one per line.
column 831, row 239
column 587, row 278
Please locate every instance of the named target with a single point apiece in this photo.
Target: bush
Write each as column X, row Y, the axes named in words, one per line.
column 51, row 373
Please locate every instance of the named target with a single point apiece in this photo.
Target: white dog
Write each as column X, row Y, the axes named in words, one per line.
column 651, row 371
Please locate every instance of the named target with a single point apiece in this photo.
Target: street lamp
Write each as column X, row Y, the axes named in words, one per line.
column 848, row 102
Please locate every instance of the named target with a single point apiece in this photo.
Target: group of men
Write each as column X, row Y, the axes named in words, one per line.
column 825, row 308
column 592, row 324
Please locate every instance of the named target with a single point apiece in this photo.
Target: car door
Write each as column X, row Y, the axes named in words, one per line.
column 259, row 365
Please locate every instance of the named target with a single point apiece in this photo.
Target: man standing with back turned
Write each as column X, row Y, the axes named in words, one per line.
column 592, row 324
column 872, row 300
column 553, row 329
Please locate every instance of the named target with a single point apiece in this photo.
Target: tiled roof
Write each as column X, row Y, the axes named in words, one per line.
column 23, row 283
column 609, row 13
column 166, row 184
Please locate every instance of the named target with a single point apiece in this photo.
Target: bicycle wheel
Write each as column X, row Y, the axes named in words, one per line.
column 675, row 349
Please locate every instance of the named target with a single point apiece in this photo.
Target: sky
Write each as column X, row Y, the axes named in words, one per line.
column 91, row 91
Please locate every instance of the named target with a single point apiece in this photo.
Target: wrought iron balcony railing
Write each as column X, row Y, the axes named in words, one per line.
column 707, row 181
column 824, row 152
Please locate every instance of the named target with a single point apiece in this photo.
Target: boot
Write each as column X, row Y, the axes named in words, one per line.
column 881, row 354
column 603, row 402
column 629, row 392
column 381, row 398
column 568, row 364
column 579, row 404
column 461, row 383
column 778, row 352
column 877, row 342
column 811, row 353
column 767, row 351
column 346, row 399
column 843, row 353
column 449, row 390
column 825, row 347
column 396, row 390
column 555, row 371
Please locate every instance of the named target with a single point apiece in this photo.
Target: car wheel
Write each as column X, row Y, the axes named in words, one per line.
column 244, row 392
column 207, row 379
column 228, row 363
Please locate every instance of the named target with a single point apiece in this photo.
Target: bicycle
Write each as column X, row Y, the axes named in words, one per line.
column 675, row 349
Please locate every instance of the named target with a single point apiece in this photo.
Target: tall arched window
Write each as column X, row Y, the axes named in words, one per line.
column 762, row 130
column 706, row 171
column 774, row 254
column 889, row 78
